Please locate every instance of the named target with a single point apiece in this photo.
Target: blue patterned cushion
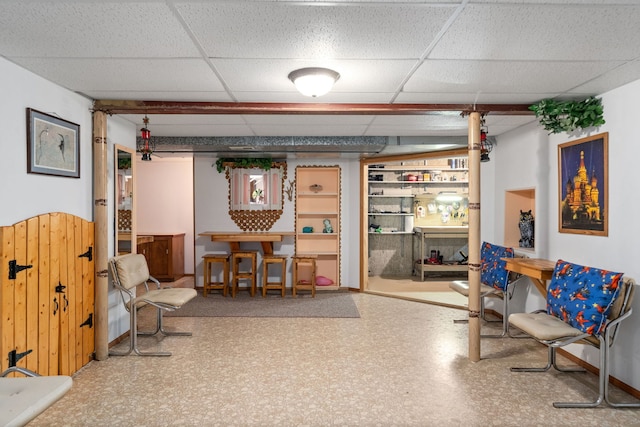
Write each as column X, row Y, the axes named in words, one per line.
column 494, row 273
column 582, row 296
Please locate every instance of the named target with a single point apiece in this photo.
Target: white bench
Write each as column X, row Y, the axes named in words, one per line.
column 24, row 398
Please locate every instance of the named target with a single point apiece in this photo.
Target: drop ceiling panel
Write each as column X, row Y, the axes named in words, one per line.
column 355, row 75
column 323, row 30
column 451, row 119
column 504, row 76
column 331, row 97
column 470, row 98
column 617, row 77
column 188, row 119
column 76, row 29
column 526, row 31
column 308, row 120
column 306, row 130
column 142, row 74
column 200, row 130
column 178, row 96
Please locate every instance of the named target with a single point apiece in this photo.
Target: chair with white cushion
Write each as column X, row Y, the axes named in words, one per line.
column 128, row 272
column 495, row 280
column 585, row 305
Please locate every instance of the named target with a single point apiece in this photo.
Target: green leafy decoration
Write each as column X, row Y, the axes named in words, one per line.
column 246, row 163
column 567, row 116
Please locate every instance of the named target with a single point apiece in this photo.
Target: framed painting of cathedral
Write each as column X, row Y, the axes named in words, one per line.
column 583, row 179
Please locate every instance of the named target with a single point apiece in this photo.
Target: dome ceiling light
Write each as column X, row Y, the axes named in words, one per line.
column 314, row 81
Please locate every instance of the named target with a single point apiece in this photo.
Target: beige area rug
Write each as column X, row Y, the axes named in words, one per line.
column 336, row 304
column 430, row 291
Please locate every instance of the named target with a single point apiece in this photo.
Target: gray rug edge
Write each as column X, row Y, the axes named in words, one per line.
column 326, row 304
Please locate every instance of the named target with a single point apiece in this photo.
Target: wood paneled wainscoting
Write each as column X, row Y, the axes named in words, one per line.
column 47, row 294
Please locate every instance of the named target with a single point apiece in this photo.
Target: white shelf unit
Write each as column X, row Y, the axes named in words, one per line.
column 393, row 211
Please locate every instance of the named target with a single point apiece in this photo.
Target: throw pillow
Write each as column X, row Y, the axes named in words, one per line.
column 493, row 272
column 582, row 296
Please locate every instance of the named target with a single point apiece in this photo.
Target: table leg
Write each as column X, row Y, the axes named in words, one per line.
column 541, row 285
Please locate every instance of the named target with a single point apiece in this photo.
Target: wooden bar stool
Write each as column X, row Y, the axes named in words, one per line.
column 282, row 283
column 209, row 284
column 304, row 262
column 238, row 274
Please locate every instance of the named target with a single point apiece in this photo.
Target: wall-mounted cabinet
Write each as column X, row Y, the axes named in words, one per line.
column 318, row 219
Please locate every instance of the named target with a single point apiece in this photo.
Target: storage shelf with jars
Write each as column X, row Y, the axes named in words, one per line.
column 414, row 176
column 391, row 214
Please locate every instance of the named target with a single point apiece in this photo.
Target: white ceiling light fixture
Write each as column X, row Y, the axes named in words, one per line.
column 314, row 81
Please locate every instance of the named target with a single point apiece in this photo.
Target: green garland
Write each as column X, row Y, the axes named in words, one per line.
column 567, row 116
column 124, row 163
column 246, row 163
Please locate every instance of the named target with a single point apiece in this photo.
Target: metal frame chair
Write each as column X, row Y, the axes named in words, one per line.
column 128, row 272
column 555, row 333
column 495, row 280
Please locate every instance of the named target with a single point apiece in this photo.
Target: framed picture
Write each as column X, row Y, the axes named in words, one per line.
column 53, row 145
column 583, row 186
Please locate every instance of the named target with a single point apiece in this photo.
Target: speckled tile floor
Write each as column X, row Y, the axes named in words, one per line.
column 403, row 363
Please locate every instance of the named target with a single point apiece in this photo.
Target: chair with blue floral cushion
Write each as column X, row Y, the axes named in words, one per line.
column 585, row 305
column 494, row 281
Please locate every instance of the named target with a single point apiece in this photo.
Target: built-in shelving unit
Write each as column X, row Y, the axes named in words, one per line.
column 318, row 201
column 404, row 196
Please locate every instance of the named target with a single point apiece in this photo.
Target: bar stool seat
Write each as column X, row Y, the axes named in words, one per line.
column 238, row 274
column 209, row 284
column 281, row 284
column 304, row 262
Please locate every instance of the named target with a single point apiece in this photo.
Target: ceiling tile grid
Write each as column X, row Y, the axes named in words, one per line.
column 387, row 52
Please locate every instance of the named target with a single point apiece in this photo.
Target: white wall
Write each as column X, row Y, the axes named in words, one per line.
column 164, row 191
column 212, row 214
column 24, row 195
column 527, row 158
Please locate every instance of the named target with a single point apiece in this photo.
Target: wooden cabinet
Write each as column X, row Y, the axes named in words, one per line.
column 165, row 255
column 317, row 208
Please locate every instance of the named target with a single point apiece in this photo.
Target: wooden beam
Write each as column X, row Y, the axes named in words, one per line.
column 174, row 107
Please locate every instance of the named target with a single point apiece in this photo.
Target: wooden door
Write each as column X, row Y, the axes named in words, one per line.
column 47, row 294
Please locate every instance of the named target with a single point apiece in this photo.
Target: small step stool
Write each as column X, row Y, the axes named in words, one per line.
column 282, row 283
column 304, row 262
column 209, row 260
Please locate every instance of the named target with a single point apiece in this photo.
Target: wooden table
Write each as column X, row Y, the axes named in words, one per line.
column 265, row 238
column 539, row 270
